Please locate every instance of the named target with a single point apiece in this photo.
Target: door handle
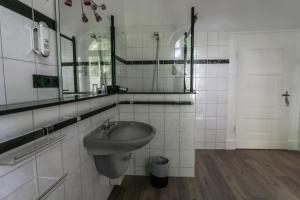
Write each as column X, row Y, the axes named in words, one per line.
column 286, row 96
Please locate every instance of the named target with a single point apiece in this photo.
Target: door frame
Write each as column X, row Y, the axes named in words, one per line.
column 293, row 137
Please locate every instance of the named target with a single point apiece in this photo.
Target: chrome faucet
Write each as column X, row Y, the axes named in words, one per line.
column 106, row 123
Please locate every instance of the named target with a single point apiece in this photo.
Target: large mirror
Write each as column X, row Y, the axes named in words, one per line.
column 153, row 58
column 85, row 50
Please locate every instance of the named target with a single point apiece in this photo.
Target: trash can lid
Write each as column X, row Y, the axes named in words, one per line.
column 159, row 160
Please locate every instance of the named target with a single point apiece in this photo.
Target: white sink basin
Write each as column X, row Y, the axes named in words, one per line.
column 111, row 145
column 119, row 137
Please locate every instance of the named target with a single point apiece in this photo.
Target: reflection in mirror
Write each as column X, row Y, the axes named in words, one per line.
column 153, row 58
column 85, row 52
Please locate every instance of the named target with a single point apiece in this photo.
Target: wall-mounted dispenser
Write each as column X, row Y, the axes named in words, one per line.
column 41, row 39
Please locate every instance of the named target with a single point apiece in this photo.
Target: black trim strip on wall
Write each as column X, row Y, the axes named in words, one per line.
column 60, row 125
column 193, row 18
column 16, row 108
column 188, row 92
column 66, row 37
column 28, row 11
column 113, row 50
column 158, row 102
column 75, row 72
column 36, row 134
column 40, row 17
column 66, row 64
column 43, row 81
column 170, row 62
column 22, row 140
column 95, row 112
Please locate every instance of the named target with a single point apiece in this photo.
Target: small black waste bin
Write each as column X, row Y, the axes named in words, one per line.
column 159, row 171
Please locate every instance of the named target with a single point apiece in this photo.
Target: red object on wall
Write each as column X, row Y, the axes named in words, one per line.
column 98, row 17
column 68, row 3
column 87, row 2
column 84, row 18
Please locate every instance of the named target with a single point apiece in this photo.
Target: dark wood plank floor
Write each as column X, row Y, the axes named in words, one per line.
column 222, row 175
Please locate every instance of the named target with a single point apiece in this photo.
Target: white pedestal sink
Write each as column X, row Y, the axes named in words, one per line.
column 111, row 145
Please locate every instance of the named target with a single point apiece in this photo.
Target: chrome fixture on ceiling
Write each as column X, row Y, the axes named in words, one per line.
column 93, row 6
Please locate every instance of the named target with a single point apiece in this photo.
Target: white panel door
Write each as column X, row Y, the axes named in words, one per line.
column 266, row 64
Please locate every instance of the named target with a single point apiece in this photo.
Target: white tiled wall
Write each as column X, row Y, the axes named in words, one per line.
column 174, row 138
column 18, row 61
column 29, row 179
column 211, row 82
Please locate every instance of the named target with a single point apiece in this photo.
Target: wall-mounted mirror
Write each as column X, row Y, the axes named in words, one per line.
column 85, row 50
column 153, row 58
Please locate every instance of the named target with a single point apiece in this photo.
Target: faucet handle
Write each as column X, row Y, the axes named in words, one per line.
column 106, row 122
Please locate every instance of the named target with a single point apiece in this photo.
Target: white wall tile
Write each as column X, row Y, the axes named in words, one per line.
column 158, row 141
column 187, row 172
column 1, row 53
column 156, row 108
column 211, row 97
column 71, row 156
column 45, row 116
column 88, row 179
column 212, row 70
column 172, row 141
column 58, row 194
column 187, row 158
column 141, row 117
column 211, row 123
column 47, row 7
column 212, row 38
column 201, row 39
column 211, row 110
column 142, row 157
column 212, row 83
column 201, row 110
column 212, row 52
column 84, row 107
column 157, row 121
column 200, row 123
column 224, row 38
column 21, row 90
column 47, row 93
column 141, row 171
column 201, row 70
column 84, row 129
column 2, row 83
column 26, row 192
column 174, row 172
column 17, row 178
column 187, row 141
column 126, row 116
column 16, row 36
column 15, row 124
column 171, row 121
column 223, row 70
column 73, row 186
column 49, row 167
column 68, row 110
column 187, row 121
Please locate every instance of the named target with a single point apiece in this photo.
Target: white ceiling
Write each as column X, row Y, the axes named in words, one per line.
column 222, row 15
column 231, row 15
column 248, row 14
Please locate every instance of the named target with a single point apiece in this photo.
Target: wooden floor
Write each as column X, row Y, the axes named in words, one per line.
column 221, row 175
